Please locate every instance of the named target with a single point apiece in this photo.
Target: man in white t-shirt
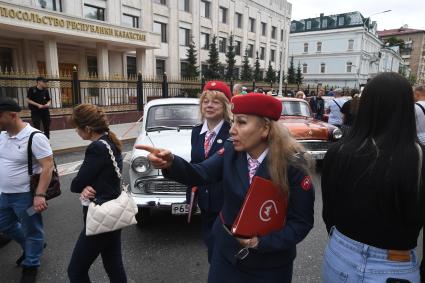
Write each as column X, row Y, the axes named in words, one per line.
column 420, row 112
column 335, row 106
column 17, row 203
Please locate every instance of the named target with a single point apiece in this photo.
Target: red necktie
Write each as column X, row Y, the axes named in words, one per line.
column 209, row 136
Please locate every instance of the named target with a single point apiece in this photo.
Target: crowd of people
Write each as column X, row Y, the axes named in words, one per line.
column 372, row 184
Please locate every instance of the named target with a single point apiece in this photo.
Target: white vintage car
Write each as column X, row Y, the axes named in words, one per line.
column 167, row 123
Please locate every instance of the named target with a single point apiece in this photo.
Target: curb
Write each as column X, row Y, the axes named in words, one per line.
column 81, row 147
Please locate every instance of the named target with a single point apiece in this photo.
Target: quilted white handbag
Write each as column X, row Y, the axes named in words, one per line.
column 114, row 214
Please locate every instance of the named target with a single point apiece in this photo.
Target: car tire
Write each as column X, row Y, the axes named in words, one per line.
column 143, row 217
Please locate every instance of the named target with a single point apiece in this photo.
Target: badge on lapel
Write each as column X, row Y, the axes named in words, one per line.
column 221, row 152
column 219, row 141
column 306, row 183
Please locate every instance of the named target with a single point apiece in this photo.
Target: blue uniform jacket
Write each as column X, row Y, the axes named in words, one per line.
column 274, row 250
column 98, row 171
column 210, row 197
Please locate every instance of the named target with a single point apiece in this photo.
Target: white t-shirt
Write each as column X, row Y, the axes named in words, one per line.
column 420, row 121
column 14, row 161
column 335, row 115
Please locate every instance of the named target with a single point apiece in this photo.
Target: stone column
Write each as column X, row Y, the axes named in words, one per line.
column 103, row 73
column 52, row 70
column 173, row 62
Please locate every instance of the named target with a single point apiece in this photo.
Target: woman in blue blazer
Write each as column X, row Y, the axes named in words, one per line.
column 207, row 138
column 260, row 147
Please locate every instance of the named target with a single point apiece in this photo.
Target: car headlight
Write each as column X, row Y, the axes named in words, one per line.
column 141, row 165
column 337, row 134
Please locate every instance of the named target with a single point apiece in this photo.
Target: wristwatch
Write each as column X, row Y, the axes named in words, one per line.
column 40, row 195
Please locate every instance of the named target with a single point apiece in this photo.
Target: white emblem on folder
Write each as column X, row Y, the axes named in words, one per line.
column 267, row 209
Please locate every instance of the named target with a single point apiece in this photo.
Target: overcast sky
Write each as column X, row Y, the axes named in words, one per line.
column 410, row 12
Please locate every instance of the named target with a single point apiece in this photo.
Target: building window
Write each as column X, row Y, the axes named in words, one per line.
column 322, row 68
column 238, row 20
column 130, row 21
column 162, row 2
column 274, row 32
column 236, row 73
column 305, row 66
column 184, row 5
column 308, row 25
column 92, row 69
column 349, row 67
column 204, row 69
column 341, row 21
column 272, row 55
column 222, row 44
column 351, row 44
column 319, row 47
column 184, row 66
column 281, row 35
column 160, row 67
column 49, row 4
column 205, row 41
column 184, row 37
column 205, row 9
column 251, row 24
column 262, row 53
column 131, row 66
column 250, row 50
column 238, row 47
column 263, row 29
column 305, row 47
column 223, row 15
column 160, row 28
column 324, row 23
column 94, row 13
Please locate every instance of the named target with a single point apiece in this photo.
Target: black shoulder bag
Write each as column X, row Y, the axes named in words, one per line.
column 54, row 188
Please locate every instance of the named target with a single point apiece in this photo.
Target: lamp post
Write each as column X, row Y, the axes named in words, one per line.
column 368, row 18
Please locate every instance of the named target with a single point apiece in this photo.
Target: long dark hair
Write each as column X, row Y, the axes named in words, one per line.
column 384, row 132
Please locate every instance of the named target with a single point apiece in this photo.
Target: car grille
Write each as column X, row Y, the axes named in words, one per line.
column 317, row 146
column 161, row 186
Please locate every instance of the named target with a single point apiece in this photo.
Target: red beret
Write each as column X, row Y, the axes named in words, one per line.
column 219, row 86
column 257, row 104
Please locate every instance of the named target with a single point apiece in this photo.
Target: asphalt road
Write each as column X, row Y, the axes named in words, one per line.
column 168, row 250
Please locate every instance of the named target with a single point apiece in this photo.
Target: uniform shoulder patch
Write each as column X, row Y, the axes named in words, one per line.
column 306, row 183
column 221, row 152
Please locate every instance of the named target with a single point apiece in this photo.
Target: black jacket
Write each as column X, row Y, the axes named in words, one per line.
column 98, row 171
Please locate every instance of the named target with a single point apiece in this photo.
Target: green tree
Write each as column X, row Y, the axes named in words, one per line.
column 213, row 61
column 230, row 59
column 299, row 76
column 192, row 68
column 394, row 41
column 258, row 75
column 246, row 74
column 291, row 72
column 271, row 74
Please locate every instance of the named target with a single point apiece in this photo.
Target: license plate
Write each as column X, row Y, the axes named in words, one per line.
column 181, row 209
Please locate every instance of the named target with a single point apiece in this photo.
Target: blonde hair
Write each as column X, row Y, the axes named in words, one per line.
column 299, row 94
column 284, row 150
column 214, row 94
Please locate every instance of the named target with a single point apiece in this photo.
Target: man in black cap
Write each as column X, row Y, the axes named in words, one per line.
column 39, row 103
column 20, row 209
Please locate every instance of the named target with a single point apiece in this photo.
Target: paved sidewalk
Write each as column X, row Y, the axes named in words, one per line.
column 68, row 140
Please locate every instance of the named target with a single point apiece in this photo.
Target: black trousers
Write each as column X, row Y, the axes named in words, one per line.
column 41, row 116
column 88, row 248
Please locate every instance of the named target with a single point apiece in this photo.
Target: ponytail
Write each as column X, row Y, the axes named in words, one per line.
column 115, row 140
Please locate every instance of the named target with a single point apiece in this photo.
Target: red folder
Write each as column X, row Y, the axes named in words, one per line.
column 263, row 211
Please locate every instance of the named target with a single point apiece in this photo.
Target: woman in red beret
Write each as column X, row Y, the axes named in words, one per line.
column 208, row 138
column 260, row 146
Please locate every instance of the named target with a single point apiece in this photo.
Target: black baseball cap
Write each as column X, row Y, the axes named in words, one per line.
column 41, row 79
column 8, row 104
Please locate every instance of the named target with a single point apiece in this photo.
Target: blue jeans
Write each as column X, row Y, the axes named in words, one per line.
column 347, row 260
column 24, row 229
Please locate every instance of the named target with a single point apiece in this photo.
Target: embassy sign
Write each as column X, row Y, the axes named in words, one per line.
column 68, row 24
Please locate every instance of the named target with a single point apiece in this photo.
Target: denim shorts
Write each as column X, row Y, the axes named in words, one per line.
column 347, row 260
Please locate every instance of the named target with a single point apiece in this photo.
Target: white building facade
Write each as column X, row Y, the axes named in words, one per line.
column 339, row 50
column 122, row 37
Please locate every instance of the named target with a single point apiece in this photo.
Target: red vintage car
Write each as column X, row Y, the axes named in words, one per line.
column 316, row 136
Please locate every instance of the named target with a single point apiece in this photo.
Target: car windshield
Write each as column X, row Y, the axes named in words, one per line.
column 295, row 108
column 172, row 116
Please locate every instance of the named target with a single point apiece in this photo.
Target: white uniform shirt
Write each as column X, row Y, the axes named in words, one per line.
column 14, row 161
column 420, row 121
column 216, row 130
column 335, row 115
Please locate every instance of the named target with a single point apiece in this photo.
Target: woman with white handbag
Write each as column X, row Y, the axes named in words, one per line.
column 99, row 184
